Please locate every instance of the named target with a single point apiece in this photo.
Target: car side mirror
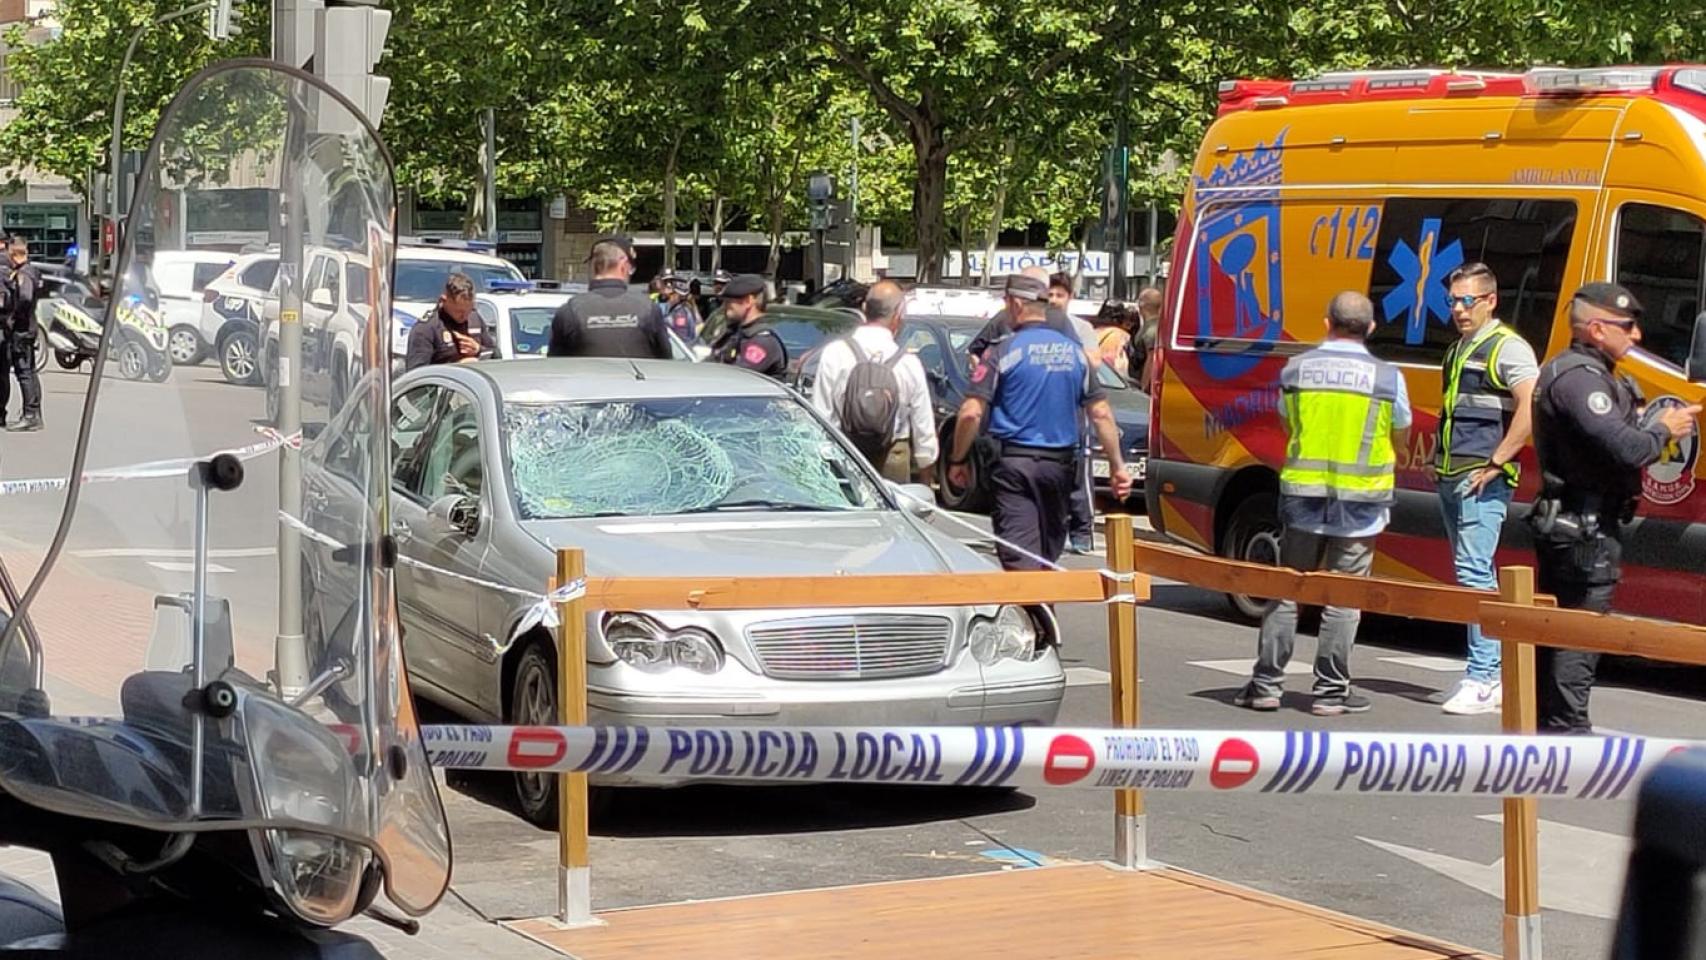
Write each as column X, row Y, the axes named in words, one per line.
column 322, row 298
column 916, row 498
column 1696, row 368
column 457, row 512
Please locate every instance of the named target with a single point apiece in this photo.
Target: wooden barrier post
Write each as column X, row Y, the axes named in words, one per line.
column 1522, row 820
column 1131, row 837
column 574, row 873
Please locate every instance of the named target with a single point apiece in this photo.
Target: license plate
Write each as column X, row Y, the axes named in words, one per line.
column 1100, row 469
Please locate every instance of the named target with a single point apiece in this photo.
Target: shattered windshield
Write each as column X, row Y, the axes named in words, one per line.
column 679, row 455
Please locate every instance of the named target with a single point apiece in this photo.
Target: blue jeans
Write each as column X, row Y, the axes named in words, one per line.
column 1473, row 524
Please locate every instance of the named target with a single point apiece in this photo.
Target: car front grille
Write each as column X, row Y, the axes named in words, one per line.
column 856, row 647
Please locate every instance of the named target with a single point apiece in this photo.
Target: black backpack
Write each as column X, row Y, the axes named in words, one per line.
column 871, row 403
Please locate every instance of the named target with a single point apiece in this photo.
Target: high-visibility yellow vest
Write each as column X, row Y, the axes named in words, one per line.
column 1477, row 407
column 1337, row 406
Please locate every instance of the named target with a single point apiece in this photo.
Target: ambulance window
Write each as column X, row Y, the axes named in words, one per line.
column 1658, row 259
column 1526, row 242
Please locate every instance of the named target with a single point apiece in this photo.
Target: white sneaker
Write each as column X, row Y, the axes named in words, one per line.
column 1475, row 696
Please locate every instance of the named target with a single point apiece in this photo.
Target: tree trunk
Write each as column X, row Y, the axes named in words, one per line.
column 717, row 234
column 698, row 217
column 992, row 235
column 929, row 191
column 774, row 225
column 669, row 206
column 965, row 247
column 1083, row 250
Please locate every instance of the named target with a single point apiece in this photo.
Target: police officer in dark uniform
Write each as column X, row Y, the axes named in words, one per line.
column 609, row 320
column 1592, row 442
column 747, row 340
column 24, row 284
column 1032, row 385
column 452, row 331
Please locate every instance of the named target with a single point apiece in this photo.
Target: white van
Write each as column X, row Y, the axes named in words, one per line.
column 180, row 276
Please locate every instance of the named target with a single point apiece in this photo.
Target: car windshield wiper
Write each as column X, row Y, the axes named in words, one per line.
column 779, row 505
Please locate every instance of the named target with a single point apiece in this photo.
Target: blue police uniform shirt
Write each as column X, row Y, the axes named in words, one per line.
column 1035, row 382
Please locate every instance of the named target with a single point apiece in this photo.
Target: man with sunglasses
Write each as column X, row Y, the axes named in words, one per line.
column 609, row 320
column 1592, row 445
column 1486, row 416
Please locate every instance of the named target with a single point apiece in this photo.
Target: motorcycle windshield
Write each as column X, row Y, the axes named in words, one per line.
column 211, row 642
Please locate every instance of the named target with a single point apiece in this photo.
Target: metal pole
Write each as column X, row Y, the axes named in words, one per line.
column 114, row 189
column 1121, row 176
column 198, row 634
column 1154, row 225
column 291, row 647
column 853, row 208
column 491, row 124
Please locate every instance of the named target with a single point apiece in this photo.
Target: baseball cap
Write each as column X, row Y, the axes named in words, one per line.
column 626, row 243
column 1021, row 287
column 744, row 285
column 1610, row 296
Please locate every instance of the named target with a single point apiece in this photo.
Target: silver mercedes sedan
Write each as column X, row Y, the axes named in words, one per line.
column 656, row 468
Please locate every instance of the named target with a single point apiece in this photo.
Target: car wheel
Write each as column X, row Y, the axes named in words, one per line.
column 1253, row 535
column 533, row 702
column 239, row 360
column 184, row 346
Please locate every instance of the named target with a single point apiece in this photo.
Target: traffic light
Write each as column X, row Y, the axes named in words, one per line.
column 219, row 20
column 349, row 39
column 293, row 31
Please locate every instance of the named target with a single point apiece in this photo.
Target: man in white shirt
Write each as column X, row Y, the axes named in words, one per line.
column 914, row 448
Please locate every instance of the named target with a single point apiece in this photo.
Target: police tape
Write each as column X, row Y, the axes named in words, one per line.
column 1290, row 762
column 155, row 469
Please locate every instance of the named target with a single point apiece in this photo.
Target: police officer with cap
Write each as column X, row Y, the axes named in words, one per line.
column 748, row 340
column 1593, row 438
column 1032, row 385
column 609, row 320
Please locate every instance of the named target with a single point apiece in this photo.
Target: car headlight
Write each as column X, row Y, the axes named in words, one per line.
column 1012, row 635
column 647, row 645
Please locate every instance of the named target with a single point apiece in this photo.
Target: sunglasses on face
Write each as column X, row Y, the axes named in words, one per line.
column 1468, row 300
column 1623, row 325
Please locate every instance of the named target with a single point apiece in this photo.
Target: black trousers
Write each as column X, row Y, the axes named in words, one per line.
column 18, row 360
column 1032, row 500
column 1583, row 575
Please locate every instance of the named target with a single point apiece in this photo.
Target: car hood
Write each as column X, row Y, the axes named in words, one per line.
column 758, row 544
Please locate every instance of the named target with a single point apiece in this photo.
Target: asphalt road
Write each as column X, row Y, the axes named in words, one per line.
column 1428, row 865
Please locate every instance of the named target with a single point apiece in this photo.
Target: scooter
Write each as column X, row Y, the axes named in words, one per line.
column 74, row 334
column 201, row 790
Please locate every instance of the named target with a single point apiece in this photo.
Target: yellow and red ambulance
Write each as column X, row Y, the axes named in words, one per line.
column 1384, row 182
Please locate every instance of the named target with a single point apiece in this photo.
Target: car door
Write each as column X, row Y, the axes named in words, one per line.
column 926, row 342
column 447, row 468
column 412, row 415
column 321, row 295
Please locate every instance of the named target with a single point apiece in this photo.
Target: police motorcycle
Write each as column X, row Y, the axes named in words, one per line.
column 202, row 784
column 74, row 331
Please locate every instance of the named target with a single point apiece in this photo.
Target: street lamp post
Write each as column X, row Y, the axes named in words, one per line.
column 114, row 177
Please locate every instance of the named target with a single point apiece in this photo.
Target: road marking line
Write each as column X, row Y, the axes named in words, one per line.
column 1243, row 668
column 147, row 553
column 1437, row 664
column 1086, row 677
column 179, row 566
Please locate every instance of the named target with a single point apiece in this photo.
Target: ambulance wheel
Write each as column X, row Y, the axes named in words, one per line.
column 1253, row 535
column 533, row 702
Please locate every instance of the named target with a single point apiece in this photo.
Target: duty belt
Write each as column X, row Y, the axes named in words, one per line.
column 1057, row 454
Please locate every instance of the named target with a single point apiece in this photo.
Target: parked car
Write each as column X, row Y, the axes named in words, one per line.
column 656, row 468
column 801, row 329
column 334, row 306
column 942, row 343
column 180, row 278
column 231, row 310
column 519, row 315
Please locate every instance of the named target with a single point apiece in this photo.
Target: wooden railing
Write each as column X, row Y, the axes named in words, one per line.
column 912, row 590
column 1520, row 619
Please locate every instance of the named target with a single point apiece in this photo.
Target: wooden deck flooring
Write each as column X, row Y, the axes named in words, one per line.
column 1069, row 912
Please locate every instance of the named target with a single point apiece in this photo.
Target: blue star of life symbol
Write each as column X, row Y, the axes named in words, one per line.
column 1421, row 286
